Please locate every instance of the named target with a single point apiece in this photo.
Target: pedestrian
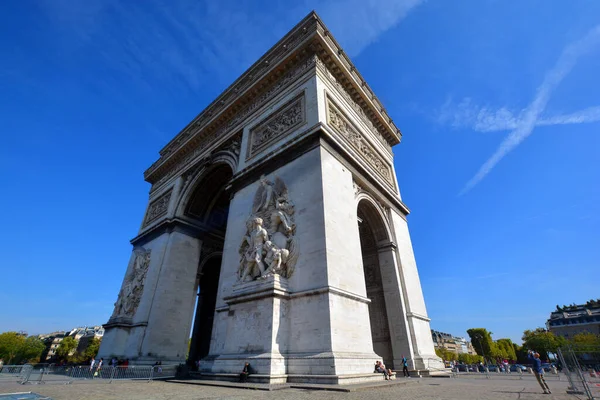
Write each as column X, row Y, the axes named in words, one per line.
column 538, row 371
column 245, row 372
column 99, row 367
column 92, row 363
column 405, row 367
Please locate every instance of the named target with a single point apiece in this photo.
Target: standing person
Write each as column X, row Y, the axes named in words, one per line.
column 99, row 366
column 538, row 371
column 92, row 363
column 405, row 367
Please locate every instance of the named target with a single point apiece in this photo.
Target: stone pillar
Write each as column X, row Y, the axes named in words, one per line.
column 395, row 303
column 313, row 326
column 423, row 357
column 170, row 318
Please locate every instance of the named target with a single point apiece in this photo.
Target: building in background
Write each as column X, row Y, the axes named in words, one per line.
column 456, row 344
column 52, row 341
column 83, row 336
column 568, row 321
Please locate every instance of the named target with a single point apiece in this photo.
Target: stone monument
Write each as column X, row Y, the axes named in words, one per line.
column 275, row 233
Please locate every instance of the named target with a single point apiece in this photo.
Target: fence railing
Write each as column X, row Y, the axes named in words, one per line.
column 42, row 373
column 581, row 365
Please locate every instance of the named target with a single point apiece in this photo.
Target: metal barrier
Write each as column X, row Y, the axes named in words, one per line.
column 581, row 365
column 15, row 373
column 68, row 374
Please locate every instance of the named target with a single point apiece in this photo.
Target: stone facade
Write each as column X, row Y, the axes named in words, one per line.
column 276, row 216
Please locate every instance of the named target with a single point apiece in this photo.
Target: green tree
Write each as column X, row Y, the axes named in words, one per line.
column 483, row 343
column 11, row 343
column 469, row 358
column 542, row 341
column 508, row 350
column 66, row 347
column 587, row 342
column 92, row 349
column 521, row 354
column 31, row 350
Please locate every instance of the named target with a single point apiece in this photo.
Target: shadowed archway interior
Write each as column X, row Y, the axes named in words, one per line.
column 372, row 232
column 209, row 207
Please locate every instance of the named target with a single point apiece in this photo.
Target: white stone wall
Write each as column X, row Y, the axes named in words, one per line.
column 170, row 318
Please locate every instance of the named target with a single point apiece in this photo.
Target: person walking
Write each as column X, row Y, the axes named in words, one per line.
column 92, row 363
column 99, row 367
column 405, row 367
column 538, row 370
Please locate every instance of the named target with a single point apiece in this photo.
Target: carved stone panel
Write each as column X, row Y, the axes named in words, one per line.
column 269, row 246
column 280, row 123
column 133, row 286
column 233, row 122
column 337, row 120
column 158, row 208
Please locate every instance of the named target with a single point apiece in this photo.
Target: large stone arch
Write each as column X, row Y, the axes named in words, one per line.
column 284, row 144
column 389, row 331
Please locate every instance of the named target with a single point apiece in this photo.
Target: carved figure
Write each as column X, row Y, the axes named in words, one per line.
column 131, row 292
column 274, row 258
column 281, row 216
column 254, row 254
column 269, row 246
column 263, row 197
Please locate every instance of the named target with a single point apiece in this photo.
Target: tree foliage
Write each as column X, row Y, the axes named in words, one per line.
column 469, row 358
column 446, row 354
column 92, row 348
column 32, row 350
column 506, row 347
column 10, row 345
column 66, row 347
column 482, row 342
column 16, row 348
column 542, row 341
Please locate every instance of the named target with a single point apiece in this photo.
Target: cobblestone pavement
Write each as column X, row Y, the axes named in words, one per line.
column 426, row 388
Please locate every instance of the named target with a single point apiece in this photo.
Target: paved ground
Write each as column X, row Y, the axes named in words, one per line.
column 426, row 388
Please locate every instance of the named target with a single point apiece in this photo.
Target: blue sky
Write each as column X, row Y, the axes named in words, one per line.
column 498, row 103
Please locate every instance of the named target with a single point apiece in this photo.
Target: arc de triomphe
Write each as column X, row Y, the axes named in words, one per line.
column 275, row 226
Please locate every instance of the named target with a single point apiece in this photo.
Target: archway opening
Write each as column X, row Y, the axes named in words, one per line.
column 208, row 207
column 205, row 309
column 372, row 232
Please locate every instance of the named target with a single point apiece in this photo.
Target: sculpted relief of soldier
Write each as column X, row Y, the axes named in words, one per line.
column 269, row 246
column 131, row 292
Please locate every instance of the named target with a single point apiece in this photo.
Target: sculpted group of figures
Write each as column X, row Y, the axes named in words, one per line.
column 131, row 292
column 269, row 247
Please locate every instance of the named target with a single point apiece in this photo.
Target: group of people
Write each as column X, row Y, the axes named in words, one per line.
column 387, row 372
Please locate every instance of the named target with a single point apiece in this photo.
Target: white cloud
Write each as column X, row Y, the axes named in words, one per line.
column 466, row 114
column 358, row 23
column 529, row 118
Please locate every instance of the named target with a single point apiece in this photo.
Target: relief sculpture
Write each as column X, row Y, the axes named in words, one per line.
column 269, row 246
column 131, row 292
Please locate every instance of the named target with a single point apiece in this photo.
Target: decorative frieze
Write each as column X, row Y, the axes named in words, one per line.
column 237, row 118
column 359, row 109
column 280, row 123
column 158, row 207
column 337, row 120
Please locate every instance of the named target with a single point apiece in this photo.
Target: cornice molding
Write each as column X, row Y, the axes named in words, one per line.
column 231, row 107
